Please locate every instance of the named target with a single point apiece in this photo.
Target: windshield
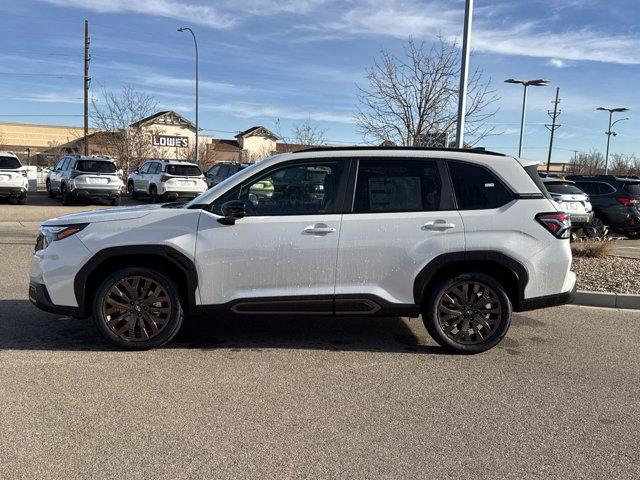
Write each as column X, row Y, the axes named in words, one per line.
column 632, row 188
column 563, row 188
column 183, row 170
column 96, row 166
column 9, row 163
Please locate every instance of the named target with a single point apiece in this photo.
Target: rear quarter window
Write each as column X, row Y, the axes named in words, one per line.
column 476, row 188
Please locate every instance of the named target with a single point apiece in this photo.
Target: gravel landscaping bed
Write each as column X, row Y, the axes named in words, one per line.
column 611, row 274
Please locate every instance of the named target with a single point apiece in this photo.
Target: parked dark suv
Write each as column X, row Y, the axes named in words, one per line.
column 615, row 203
column 221, row 171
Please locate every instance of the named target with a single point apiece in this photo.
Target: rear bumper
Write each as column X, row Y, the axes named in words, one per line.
column 39, row 296
column 579, row 220
column 547, row 301
column 13, row 192
column 181, row 194
column 94, row 193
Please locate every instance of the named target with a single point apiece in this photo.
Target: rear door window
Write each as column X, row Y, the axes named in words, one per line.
column 476, row 188
column 595, row 188
column 398, row 185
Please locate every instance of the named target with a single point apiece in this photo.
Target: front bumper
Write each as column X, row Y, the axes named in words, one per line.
column 39, row 296
column 13, row 192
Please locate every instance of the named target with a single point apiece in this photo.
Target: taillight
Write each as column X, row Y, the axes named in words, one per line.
column 629, row 201
column 164, row 178
column 24, row 173
column 558, row 223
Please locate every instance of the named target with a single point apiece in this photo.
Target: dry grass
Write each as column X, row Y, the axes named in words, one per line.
column 592, row 247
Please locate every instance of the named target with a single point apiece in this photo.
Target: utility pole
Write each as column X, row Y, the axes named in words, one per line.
column 553, row 127
column 87, row 81
column 464, row 73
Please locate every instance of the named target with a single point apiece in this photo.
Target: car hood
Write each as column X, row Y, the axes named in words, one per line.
column 106, row 215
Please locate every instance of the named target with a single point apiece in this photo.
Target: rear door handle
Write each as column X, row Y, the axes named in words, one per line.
column 438, row 225
column 319, row 229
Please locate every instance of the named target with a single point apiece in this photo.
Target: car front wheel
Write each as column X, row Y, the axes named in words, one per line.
column 467, row 313
column 131, row 190
column 138, row 309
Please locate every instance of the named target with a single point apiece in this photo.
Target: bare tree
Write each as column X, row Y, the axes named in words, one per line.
column 305, row 133
column 117, row 114
column 415, row 97
column 189, row 154
column 591, row 163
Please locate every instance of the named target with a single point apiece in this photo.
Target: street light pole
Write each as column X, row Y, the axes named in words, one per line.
column 464, row 73
column 195, row 42
column 526, row 84
column 609, row 132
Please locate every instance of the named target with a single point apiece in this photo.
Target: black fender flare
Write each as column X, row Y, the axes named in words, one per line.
column 438, row 265
column 174, row 257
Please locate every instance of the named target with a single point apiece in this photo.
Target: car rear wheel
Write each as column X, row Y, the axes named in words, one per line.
column 153, row 194
column 66, row 198
column 467, row 313
column 132, row 191
column 138, row 309
column 50, row 192
column 114, row 201
column 595, row 228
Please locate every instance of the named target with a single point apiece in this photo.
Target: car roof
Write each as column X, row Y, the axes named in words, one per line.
column 171, row 162
column 4, row 153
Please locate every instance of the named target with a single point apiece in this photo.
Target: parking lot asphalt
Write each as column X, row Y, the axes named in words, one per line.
column 314, row 397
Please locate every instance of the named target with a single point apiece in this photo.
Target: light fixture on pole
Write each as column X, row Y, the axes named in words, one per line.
column 182, row 29
column 526, row 84
column 609, row 132
column 464, row 73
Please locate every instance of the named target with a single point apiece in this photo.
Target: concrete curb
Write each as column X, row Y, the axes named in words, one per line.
column 607, row 300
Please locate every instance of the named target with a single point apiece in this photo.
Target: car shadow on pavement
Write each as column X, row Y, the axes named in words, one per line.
column 24, row 327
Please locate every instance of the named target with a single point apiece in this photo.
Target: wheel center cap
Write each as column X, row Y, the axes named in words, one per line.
column 137, row 308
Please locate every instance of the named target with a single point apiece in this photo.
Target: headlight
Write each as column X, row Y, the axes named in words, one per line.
column 48, row 235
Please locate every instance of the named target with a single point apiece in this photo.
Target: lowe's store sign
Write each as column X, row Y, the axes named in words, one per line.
column 170, row 141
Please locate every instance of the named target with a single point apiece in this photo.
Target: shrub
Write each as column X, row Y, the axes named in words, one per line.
column 592, row 247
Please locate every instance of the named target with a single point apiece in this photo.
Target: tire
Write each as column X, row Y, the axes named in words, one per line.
column 132, row 327
column 153, row 194
column 114, row 202
column 50, row 192
column 444, row 327
column 22, row 200
column 66, row 198
column 132, row 191
column 595, row 228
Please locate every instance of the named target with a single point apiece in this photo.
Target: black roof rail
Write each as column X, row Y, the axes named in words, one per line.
column 480, row 150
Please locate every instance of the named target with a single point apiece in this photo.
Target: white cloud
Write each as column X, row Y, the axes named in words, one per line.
column 260, row 110
column 427, row 20
column 558, row 63
column 200, row 14
column 71, row 97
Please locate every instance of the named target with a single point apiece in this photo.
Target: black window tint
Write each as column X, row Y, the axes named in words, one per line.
column 9, row 163
column 95, row 166
column 397, row 185
column 213, row 171
column 632, row 188
column 563, row 188
column 224, row 171
column 183, row 170
column 476, row 187
column 144, row 168
column 588, row 187
column 216, row 205
column 301, row 189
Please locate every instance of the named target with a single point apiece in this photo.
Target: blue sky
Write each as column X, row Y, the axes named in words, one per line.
column 268, row 59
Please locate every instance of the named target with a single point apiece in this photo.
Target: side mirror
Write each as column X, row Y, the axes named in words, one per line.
column 136, row 172
column 232, row 211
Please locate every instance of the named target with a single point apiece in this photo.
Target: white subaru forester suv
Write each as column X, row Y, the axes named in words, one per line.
column 166, row 179
column 462, row 237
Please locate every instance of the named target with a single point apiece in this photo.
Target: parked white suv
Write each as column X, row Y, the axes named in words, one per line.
column 77, row 177
column 166, row 179
column 462, row 237
column 13, row 180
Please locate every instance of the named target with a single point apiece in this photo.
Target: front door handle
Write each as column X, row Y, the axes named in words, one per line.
column 438, row 225
column 319, row 229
